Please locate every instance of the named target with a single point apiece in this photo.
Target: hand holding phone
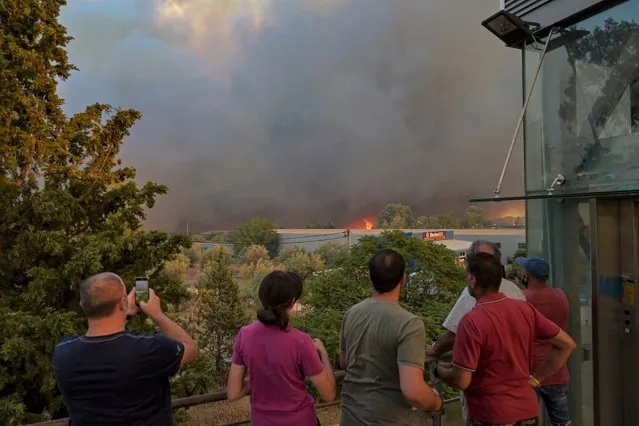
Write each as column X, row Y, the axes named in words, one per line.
column 152, row 307
column 142, row 289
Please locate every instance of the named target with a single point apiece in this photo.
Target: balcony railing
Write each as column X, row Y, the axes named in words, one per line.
column 208, row 398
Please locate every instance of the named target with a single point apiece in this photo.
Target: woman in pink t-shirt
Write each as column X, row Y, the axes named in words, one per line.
column 278, row 359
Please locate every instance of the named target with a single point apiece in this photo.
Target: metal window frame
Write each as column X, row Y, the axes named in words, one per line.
column 561, row 196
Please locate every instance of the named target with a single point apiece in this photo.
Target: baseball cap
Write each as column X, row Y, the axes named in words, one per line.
column 537, row 267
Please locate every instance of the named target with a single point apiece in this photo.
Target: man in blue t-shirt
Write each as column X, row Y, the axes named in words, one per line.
column 111, row 377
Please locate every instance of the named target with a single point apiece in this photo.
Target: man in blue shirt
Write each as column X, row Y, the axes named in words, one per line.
column 111, row 377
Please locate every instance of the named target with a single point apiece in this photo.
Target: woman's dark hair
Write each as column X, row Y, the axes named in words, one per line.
column 386, row 269
column 278, row 290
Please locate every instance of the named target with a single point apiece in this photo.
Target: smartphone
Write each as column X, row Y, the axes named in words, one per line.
column 142, row 288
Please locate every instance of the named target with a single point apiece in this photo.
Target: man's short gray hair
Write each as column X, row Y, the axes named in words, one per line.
column 100, row 294
column 476, row 245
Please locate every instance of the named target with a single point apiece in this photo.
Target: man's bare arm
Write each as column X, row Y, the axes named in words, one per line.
column 442, row 347
column 562, row 346
column 416, row 390
column 237, row 387
column 174, row 331
column 454, row 376
column 168, row 327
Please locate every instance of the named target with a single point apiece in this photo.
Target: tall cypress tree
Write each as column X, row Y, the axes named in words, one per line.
column 222, row 312
column 68, row 208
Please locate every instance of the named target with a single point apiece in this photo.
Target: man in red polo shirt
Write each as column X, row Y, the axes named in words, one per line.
column 553, row 304
column 493, row 354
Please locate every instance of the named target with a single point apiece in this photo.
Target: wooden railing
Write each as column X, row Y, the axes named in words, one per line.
column 208, row 398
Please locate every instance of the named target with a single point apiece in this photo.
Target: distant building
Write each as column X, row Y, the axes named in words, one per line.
column 457, row 240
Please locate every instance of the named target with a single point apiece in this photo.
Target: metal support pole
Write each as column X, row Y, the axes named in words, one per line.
column 522, row 115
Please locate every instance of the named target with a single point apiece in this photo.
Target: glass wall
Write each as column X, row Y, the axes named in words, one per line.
column 561, row 234
column 583, row 120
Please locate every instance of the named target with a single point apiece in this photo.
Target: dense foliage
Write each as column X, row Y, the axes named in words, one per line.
column 435, row 284
column 68, row 208
column 333, row 253
column 221, row 313
column 395, row 216
column 399, row 216
column 300, row 261
column 257, row 231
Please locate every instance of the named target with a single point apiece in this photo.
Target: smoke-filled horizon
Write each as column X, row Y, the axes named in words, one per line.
column 303, row 111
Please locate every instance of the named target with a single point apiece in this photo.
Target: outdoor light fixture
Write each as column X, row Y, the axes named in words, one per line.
column 510, row 28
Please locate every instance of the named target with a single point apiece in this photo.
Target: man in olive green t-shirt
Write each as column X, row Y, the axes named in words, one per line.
column 382, row 349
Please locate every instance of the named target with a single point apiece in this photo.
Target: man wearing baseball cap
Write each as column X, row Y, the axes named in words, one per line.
column 553, row 304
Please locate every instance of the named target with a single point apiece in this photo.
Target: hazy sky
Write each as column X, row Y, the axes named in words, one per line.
column 302, row 110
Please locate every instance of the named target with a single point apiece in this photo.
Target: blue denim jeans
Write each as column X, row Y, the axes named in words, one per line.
column 555, row 399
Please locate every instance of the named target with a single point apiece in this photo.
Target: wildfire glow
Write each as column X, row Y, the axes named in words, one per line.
column 367, row 224
column 511, row 209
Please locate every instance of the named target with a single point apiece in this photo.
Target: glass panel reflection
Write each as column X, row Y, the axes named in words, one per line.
column 583, row 120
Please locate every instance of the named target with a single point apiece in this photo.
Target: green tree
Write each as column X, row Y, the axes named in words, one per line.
column 513, row 272
column 520, row 252
column 198, row 238
column 437, row 283
column 254, row 274
column 222, row 312
column 428, row 222
column 195, row 254
column 304, row 264
column 289, row 252
column 218, row 237
column 448, row 220
column 395, row 216
column 207, row 254
column 255, row 253
column 300, row 261
column 178, row 268
column 68, row 208
column 333, row 253
column 473, row 217
column 256, row 231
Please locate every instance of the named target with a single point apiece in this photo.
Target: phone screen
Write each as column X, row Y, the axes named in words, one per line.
column 141, row 286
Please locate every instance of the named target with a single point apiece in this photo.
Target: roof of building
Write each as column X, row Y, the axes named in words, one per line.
column 488, row 232
column 455, row 245
column 375, row 231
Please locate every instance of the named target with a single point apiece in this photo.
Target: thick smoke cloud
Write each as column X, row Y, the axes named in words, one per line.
column 304, row 111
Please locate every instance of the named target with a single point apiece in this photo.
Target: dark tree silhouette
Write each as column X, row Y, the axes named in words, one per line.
column 613, row 48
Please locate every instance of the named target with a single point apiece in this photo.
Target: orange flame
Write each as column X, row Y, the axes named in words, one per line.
column 367, row 224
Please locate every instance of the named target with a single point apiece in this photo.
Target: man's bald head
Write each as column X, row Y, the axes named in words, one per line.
column 100, row 294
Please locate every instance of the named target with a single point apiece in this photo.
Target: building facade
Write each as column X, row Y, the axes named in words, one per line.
column 311, row 239
column 457, row 240
column 582, row 125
